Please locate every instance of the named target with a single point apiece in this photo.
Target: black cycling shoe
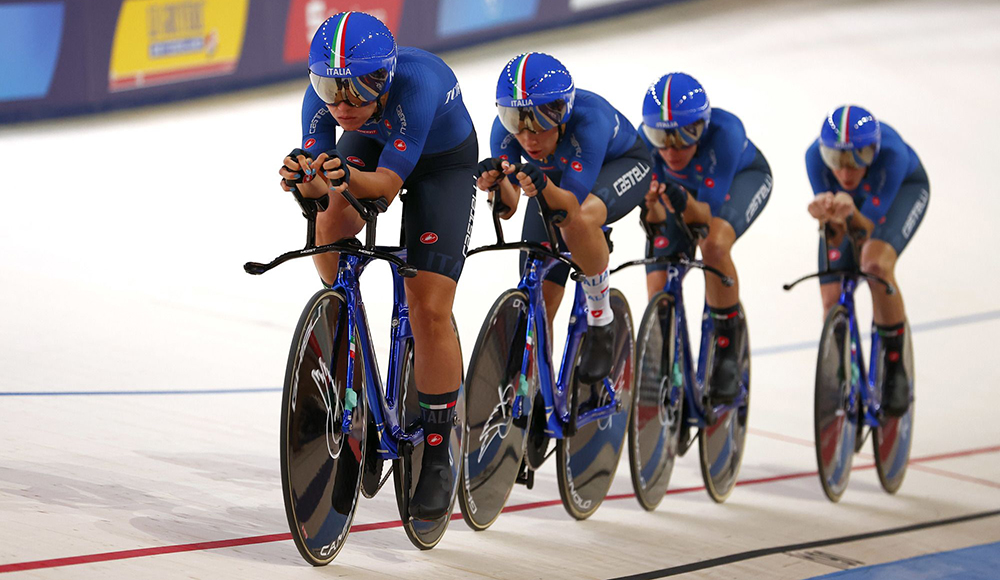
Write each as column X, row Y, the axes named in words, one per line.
column 895, row 387
column 597, row 354
column 724, row 383
column 432, row 498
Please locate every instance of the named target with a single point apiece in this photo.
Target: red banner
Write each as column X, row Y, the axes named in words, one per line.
column 305, row 16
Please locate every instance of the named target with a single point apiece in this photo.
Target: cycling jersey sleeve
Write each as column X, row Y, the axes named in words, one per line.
column 594, row 135
column 887, row 181
column 728, row 150
column 319, row 129
column 411, row 121
column 819, row 175
column 503, row 145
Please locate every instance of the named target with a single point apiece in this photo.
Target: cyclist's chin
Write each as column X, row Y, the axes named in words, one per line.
column 350, row 123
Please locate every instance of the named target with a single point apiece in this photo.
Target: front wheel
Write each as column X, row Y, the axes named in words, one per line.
column 321, row 461
column 494, row 440
column 657, row 408
column 894, row 435
column 835, row 407
column 587, row 461
column 721, row 442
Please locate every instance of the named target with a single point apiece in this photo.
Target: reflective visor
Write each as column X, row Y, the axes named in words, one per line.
column 678, row 138
column 850, row 158
column 357, row 91
column 535, row 119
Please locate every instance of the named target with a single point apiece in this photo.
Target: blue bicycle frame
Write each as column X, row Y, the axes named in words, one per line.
column 862, row 392
column 556, row 397
column 691, row 375
column 383, row 407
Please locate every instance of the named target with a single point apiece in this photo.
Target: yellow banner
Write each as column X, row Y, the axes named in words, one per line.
column 162, row 41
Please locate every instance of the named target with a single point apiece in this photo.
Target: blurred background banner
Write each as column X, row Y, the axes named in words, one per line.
column 85, row 56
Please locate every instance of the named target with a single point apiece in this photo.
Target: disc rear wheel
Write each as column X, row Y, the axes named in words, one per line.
column 721, row 443
column 424, row 534
column 587, row 461
column 893, row 437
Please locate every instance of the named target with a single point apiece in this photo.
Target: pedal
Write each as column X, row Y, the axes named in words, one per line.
column 525, row 476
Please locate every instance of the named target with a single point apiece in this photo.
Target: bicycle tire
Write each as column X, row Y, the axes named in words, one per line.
column 424, row 534
column 893, row 438
column 658, row 403
column 587, row 461
column 721, row 444
column 321, row 468
column 835, row 407
column 494, row 443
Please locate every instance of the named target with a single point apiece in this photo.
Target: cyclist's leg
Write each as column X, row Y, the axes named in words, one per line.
column 892, row 234
column 746, row 198
column 620, row 187
column 340, row 220
column 438, row 213
column 878, row 256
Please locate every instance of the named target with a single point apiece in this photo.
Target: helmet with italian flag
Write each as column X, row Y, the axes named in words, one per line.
column 850, row 137
column 352, row 58
column 675, row 111
column 535, row 92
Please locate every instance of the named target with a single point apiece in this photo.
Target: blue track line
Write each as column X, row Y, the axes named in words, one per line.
column 954, row 321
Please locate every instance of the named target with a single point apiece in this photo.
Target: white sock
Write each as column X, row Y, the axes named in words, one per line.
column 598, row 288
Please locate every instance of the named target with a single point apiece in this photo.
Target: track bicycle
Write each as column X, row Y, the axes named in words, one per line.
column 338, row 424
column 515, row 405
column 672, row 396
column 848, row 401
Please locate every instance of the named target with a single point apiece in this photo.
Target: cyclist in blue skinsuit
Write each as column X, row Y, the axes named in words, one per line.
column 405, row 126
column 587, row 160
column 709, row 170
column 864, row 175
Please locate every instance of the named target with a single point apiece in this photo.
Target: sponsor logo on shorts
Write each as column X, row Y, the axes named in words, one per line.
column 893, row 356
column 309, row 143
column 429, row 238
column 399, row 144
column 914, row 218
column 434, row 439
column 355, row 160
column 661, row 242
column 503, row 157
column 630, row 178
column 722, row 341
column 577, row 166
column 834, row 255
column 759, row 199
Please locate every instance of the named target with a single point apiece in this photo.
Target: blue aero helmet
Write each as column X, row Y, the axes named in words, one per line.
column 535, row 92
column 675, row 111
column 352, row 58
column 850, row 137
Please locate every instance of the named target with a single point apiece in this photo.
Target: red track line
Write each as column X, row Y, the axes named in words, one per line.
column 198, row 546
